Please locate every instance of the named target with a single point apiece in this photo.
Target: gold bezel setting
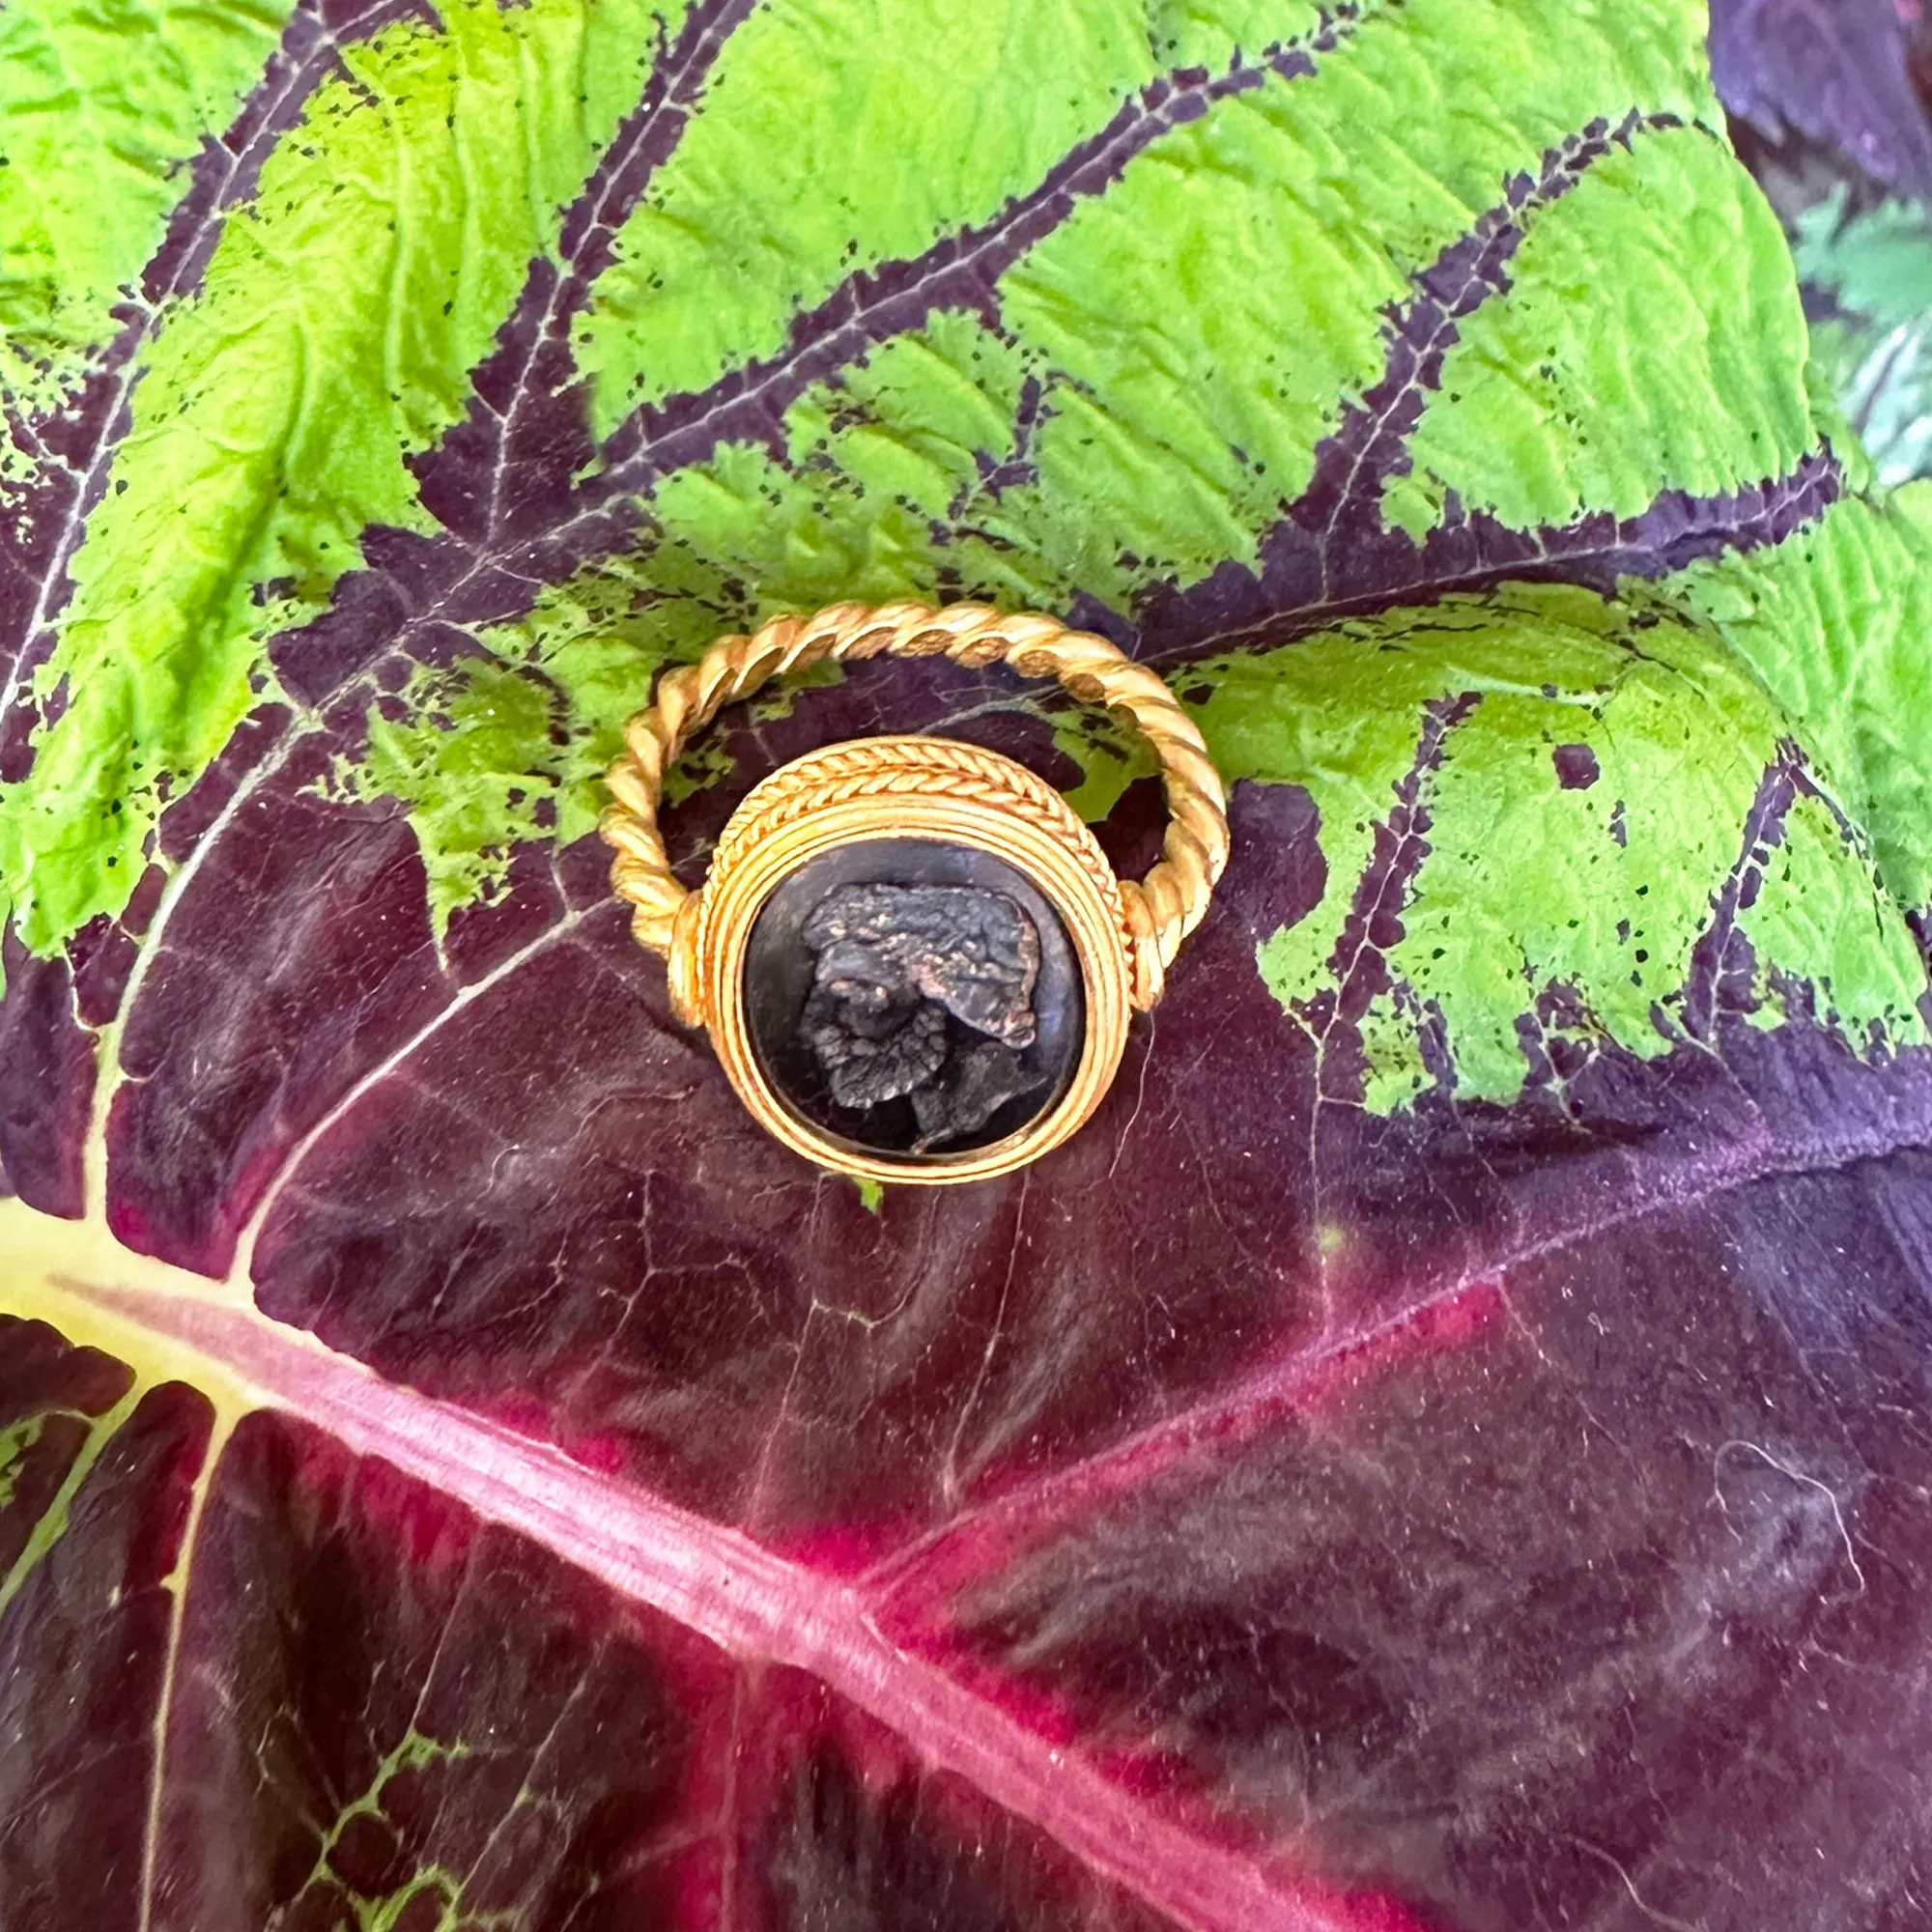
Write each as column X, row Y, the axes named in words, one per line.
column 931, row 789
column 1122, row 934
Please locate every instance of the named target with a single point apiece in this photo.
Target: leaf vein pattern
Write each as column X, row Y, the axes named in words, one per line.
column 959, row 270
column 753, row 1604
column 529, row 373
column 1272, row 1393
column 1331, row 554
column 164, row 1704
column 87, row 434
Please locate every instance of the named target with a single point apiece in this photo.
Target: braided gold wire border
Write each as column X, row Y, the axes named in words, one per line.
column 909, row 776
column 927, row 766
column 1158, row 912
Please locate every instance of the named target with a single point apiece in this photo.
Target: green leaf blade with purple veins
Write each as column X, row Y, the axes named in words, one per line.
column 332, row 337
column 1555, row 812
column 1305, row 182
column 1552, row 406
column 94, row 148
column 775, row 197
column 1834, row 622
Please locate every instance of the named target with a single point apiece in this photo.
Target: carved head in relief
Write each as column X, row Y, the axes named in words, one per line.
column 924, row 992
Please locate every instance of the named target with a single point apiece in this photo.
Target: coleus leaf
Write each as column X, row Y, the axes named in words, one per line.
column 1841, row 76
column 1446, row 1448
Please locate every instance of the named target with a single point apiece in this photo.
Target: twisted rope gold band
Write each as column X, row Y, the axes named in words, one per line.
column 1160, row 911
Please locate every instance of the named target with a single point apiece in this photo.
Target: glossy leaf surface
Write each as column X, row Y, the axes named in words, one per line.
column 1446, row 1448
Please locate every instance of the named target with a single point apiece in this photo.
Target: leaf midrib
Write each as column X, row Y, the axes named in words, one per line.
column 713, row 1580
column 756, row 1604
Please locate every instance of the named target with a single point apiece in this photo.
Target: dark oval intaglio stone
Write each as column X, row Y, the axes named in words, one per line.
column 913, row 998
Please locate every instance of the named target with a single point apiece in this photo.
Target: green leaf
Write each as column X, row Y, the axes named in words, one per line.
column 1874, row 348
column 1657, row 286
column 1835, row 621
column 1548, row 798
column 333, row 335
column 94, row 151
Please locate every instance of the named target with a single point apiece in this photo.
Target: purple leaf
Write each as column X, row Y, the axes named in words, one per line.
column 1837, row 74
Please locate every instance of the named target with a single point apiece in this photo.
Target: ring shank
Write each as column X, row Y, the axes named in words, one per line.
column 1161, row 909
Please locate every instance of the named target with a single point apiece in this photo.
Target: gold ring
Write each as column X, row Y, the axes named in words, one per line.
column 913, row 959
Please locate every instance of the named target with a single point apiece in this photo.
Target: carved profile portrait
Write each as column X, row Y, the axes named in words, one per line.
column 923, row 992
column 913, row 997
